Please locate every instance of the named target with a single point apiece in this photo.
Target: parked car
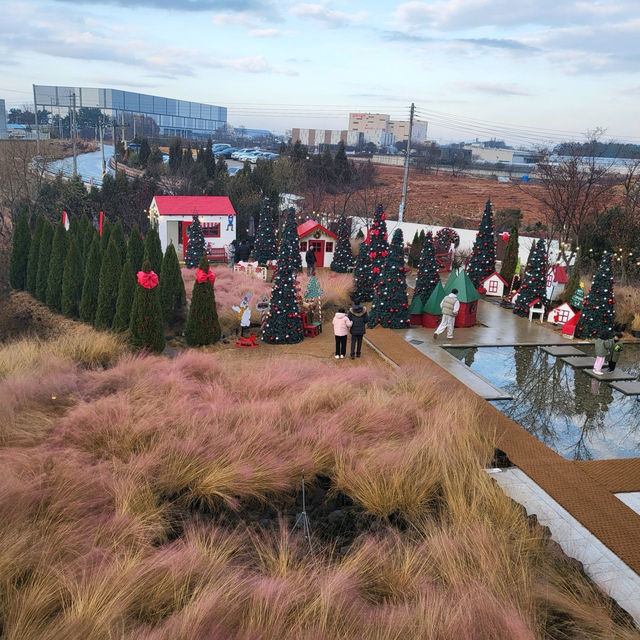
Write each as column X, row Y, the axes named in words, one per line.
column 220, row 146
column 225, row 153
column 244, row 157
column 239, row 152
column 262, row 155
column 233, row 170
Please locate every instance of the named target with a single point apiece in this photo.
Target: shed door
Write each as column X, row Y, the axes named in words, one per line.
column 317, row 246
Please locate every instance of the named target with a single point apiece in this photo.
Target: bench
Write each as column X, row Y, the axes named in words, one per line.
column 216, row 254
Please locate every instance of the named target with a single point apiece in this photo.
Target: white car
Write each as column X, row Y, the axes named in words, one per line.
column 248, row 156
column 240, row 152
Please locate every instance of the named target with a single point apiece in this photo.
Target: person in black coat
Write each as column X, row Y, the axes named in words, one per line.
column 242, row 252
column 310, row 258
column 359, row 318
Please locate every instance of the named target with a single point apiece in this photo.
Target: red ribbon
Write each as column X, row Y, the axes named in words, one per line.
column 203, row 276
column 147, row 279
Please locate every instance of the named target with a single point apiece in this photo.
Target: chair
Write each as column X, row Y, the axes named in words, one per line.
column 535, row 309
column 309, row 330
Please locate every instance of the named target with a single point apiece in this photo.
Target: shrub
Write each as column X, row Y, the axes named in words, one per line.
column 172, row 293
column 44, row 256
column 20, row 253
column 124, row 303
column 108, row 286
column 135, row 248
column 56, row 269
column 72, row 278
column 34, row 254
column 145, row 326
column 153, row 250
column 89, row 298
column 203, row 326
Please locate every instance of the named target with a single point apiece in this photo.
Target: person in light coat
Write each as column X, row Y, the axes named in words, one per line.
column 603, row 346
column 341, row 326
column 450, row 306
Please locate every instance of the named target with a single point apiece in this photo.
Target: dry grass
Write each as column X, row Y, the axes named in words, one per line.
column 113, row 497
column 627, row 305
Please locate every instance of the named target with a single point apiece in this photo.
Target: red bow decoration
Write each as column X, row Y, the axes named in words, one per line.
column 203, row 276
column 147, row 279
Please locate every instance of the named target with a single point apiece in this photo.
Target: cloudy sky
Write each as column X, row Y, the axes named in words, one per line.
column 527, row 70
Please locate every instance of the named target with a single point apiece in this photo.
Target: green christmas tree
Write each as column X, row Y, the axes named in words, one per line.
column 483, row 255
column 534, row 283
column 203, row 326
column 428, row 274
column 108, row 285
column 44, row 257
column 266, row 247
column 145, row 327
column 291, row 242
column 598, row 309
column 415, row 250
column 342, row 257
column 106, row 234
column 34, row 254
column 89, row 299
column 362, row 276
column 510, row 260
column 56, row 269
column 574, row 279
column 126, row 290
column 172, row 293
column 195, row 244
column 117, row 234
column 20, row 253
column 153, row 249
column 72, row 278
column 390, row 306
column 135, row 248
column 378, row 246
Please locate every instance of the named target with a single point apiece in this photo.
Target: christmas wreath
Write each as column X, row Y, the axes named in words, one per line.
column 445, row 237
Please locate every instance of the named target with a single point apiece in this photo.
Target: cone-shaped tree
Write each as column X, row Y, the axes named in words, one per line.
column 87, row 238
column 390, row 306
column 378, row 246
column 135, row 248
column 203, row 326
column 598, row 309
column 428, row 274
column 126, row 290
column 266, row 247
column 56, row 268
column 106, row 234
column 153, row 250
column 74, row 226
column 574, row 279
column 362, row 276
column 20, row 253
column 415, row 251
column 108, row 286
column 510, row 256
column 534, row 283
column 72, row 278
column 195, row 244
column 292, row 244
column 283, row 324
column 117, row 233
column 44, row 256
column 342, row 258
column 145, row 326
column 89, row 299
column 172, row 293
column 483, row 255
column 34, row 254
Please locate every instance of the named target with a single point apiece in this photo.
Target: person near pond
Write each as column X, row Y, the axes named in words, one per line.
column 359, row 318
column 450, row 306
column 341, row 326
column 603, row 346
column 614, row 353
column 310, row 258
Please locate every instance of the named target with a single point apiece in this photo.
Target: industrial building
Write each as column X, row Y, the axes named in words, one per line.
column 317, row 137
column 374, row 125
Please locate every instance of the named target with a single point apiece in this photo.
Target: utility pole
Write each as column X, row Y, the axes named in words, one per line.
column 115, row 145
column 35, row 109
column 403, row 201
column 74, row 134
column 122, row 125
column 100, row 125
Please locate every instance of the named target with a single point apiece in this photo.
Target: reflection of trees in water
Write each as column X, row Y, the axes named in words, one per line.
column 470, row 356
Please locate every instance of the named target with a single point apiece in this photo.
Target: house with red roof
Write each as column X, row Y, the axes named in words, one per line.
column 323, row 242
column 173, row 215
column 556, row 281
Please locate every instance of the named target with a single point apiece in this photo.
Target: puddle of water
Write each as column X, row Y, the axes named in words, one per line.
column 578, row 417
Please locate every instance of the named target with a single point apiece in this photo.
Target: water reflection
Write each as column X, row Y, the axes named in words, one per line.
column 579, row 417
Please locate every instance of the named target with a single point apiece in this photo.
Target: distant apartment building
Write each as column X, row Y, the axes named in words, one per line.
column 400, row 130
column 493, row 156
column 3, row 121
column 363, row 122
column 374, row 125
column 316, row 137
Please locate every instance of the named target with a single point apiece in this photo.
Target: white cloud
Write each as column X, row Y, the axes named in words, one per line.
column 320, row 12
column 264, row 33
column 497, row 88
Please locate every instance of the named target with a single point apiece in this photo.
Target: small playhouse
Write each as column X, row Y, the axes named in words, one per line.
column 319, row 239
column 467, row 296
column 494, row 285
column 556, row 281
column 173, row 215
column 561, row 314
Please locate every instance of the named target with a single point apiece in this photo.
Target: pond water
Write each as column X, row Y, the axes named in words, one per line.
column 578, row 417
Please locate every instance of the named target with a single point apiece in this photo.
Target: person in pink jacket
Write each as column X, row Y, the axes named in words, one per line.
column 341, row 326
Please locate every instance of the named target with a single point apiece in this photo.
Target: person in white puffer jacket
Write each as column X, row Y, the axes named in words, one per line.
column 341, row 326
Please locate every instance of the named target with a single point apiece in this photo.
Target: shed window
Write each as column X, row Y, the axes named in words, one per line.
column 328, row 247
column 303, row 246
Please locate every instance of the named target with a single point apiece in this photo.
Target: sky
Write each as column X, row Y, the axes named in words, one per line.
column 529, row 71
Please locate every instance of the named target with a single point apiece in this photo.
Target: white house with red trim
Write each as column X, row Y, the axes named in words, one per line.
column 174, row 214
column 561, row 314
column 323, row 242
column 494, row 285
column 556, row 281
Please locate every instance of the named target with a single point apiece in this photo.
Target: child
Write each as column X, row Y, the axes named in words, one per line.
column 341, row 325
column 603, row 345
column 616, row 350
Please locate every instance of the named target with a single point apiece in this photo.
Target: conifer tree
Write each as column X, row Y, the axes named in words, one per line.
column 89, row 298
column 362, row 276
column 20, row 253
column 108, row 285
column 598, row 309
column 416, row 248
column 56, row 269
column 203, row 326
column 428, row 275
column 145, row 326
column 510, row 260
column 135, row 248
column 378, row 246
column 196, row 247
column 574, row 279
column 483, row 255
column 390, row 306
column 342, row 258
column 43, row 262
column 172, row 293
column 87, row 239
column 117, row 233
column 153, row 250
column 34, row 254
column 534, row 283
column 266, row 247
column 106, row 234
column 292, row 243
column 126, row 290
column 72, row 278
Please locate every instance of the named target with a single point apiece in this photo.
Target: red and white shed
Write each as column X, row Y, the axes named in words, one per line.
column 174, row 214
column 494, row 285
column 561, row 314
column 556, row 281
column 318, row 238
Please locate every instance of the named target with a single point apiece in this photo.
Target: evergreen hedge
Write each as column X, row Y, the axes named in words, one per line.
column 72, row 278
column 44, row 255
column 126, row 290
column 56, row 269
column 20, row 253
column 108, row 286
column 34, row 254
column 172, row 293
column 203, row 326
column 145, row 326
column 89, row 299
